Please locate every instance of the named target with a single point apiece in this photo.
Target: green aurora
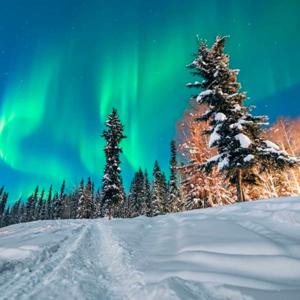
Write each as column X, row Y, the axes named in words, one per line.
column 65, row 63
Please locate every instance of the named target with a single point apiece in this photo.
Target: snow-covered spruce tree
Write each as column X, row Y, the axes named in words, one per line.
column 86, row 202
column 62, row 198
column 98, row 207
column 136, row 199
column 57, row 207
column 234, row 131
column 15, row 211
column 49, row 204
column 80, row 195
column 173, row 199
column 42, row 215
column 75, row 196
column 6, row 217
column 30, row 206
column 3, row 200
column 22, row 212
column 112, row 186
column 39, row 206
column 147, row 195
column 158, row 194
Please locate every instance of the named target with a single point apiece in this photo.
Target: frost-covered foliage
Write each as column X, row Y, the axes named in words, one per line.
column 234, row 131
column 86, row 205
column 159, row 191
column 198, row 189
column 137, row 197
column 112, row 186
column 174, row 201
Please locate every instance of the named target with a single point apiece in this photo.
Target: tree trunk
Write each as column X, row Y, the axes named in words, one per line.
column 239, row 186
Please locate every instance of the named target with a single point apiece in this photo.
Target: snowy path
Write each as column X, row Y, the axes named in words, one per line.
column 247, row 251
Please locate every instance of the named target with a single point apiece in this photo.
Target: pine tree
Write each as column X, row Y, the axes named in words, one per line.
column 6, row 217
column 74, row 203
column 173, row 203
column 147, row 195
column 57, row 207
column 80, row 194
column 3, row 204
column 62, row 199
column 42, row 213
column 15, row 212
column 30, row 206
column 39, row 206
column 136, row 200
column 98, row 205
column 86, row 202
column 112, row 187
column 49, row 211
column 237, row 135
column 22, row 211
column 158, row 191
column 3, row 201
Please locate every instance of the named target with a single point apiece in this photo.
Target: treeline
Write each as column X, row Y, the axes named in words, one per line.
column 145, row 197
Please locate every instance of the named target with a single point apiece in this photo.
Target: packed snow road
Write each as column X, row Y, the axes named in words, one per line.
column 244, row 251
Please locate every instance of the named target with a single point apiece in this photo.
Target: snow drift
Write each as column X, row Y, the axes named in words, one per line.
column 243, row 251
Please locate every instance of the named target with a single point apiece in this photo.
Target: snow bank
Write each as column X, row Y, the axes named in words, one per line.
column 243, row 251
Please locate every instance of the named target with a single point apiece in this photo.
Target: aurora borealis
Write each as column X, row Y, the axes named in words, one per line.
column 65, row 63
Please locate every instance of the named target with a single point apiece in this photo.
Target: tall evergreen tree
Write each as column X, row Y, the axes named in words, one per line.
column 15, row 212
column 57, row 207
column 22, row 211
column 39, row 206
column 74, row 203
column 173, row 203
column 30, row 206
column 62, row 198
column 86, row 201
column 158, row 194
column 98, row 205
column 49, row 210
column 6, row 217
column 236, row 134
column 112, row 186
column 147, row 195
column 136, row 195
column 3, row 201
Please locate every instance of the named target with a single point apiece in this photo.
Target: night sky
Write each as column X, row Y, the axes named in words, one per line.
column 65, row 63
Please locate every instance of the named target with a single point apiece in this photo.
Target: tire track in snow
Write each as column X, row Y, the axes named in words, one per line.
column 31, row 278
column 122, row 279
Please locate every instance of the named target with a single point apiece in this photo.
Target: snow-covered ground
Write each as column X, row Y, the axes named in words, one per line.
column 244, row 251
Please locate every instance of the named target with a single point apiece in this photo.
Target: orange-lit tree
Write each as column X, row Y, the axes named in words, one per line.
column 199, row 189
column 286, row 134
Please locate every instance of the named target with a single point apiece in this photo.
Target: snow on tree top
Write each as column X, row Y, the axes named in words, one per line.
column 195, row 84
column 214, row 158
column 270, row 144
column 236, row 107
column 244, row 141
column 248, row 158
column 203, row 95
column 223, row 163
column 220, row 117
column 214, row 137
